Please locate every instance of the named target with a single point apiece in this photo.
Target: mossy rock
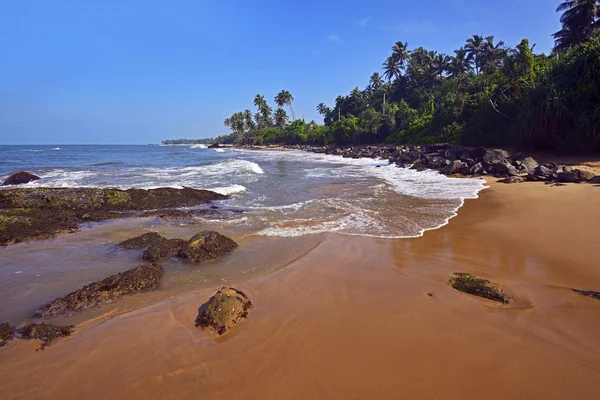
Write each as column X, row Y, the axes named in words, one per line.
column 142, row 241
column 137, row 280
column 588, row 293
column 222, row 311
column 471, row 284
column 6, row 333
column 162, row 249
column 20, row 178
column 45, row 332
column 207, row 246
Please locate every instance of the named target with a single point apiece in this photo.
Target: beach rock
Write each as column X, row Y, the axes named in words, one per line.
column 512, row 179
column 595, row 180
column 20, row 178
column 540, row 173
column 222, row 311
column 588, row 293
column 45, row 332
column 568, row 175
column 477, row 169
column 214, row 146
column 44, row 212
column 137, row 280
column 528, row 165
column 585, row 176
column 162, row 249
column 471, row 284
column 6, row 333
column 142, row 241
column 206, row 246
column 504, row 169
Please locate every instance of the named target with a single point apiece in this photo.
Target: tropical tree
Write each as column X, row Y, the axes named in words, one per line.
column 391, row 68
column 401, row 53
column 323, row 109
column 375, row 82
column 475, row 51
column 459, row 63
column 493, row 54
column 263, row 118
column 281, row 117
column 285, row 98
column 579, row 19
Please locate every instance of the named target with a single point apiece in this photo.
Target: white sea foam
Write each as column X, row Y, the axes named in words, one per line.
column 55, row 148
column 219, row 150
column 227, row 190
column 198, row 146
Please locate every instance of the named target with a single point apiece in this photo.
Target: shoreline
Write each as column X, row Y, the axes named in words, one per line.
column 352, row 318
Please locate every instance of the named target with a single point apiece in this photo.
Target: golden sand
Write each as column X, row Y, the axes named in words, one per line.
column 364, row 318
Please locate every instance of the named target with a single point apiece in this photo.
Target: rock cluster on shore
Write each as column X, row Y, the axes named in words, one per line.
column 204, row 246
column 449, row 160
column 43, row 212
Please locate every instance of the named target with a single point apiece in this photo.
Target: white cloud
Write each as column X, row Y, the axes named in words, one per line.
column 334, row 37
column 364, row 22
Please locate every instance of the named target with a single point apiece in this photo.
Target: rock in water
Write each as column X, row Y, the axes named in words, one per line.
column 137, row 280
column 225, row 309
column 139, row 242
column 46, row 333
column 471, row 284
column 206, row 246
column 6, row 333
column 162, row 249
column 20, row 178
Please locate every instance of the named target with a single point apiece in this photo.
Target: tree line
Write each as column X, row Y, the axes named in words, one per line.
column 486, row 93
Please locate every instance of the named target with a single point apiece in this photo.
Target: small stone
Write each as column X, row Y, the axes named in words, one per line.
column 222, row 311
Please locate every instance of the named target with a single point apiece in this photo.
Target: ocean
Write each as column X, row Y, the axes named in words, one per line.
column 281, row 205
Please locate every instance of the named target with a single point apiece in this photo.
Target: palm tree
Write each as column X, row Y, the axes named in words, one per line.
column 475, row 49
column 281, row 117
column 375, row 81
column 391, row 68
column 441, row 63
column 400, row 53
column 265, row 111
column 322, row 109
column 459, row 64
column 285, row 98
column 579, row 19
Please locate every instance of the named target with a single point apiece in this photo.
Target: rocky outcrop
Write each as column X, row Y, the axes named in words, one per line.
column 6, row 333
column 42, row 213
column 449, row 160
column 588, row 293
column 207, row 246
column 137, row 280
column 45, row 332
column 142, row 241
column 20, row 178
column 162, row 249
column 222, row 311
column 512, row 179
column 471, row 284
column 214, row 146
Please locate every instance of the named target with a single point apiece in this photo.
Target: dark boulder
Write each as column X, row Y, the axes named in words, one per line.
column 512, row 179
column 6, row 333
column 45, row 332
column 471, row 284
column 504, row 169
column 222, row 311
column 588, row 293
column 142, row 241
column 595, row 180
column 214, row 146
column 540, row 174
column 162, row 249
column 585, row 176
column 137, row 280
column 477, row 169
column 20, row 178
column 206, row 246
column 528, row 165
column 566, row 174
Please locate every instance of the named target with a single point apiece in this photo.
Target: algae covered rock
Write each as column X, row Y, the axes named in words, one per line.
column 139, row 242
column 206, row 246
column 6, row 333
column 20, row 178
column 137, row 280
column 45, row 332
column 588, row 293
column 471, row 284
column 225, row 309
column 162, row 249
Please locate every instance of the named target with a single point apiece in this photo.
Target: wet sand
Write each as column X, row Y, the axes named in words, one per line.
column 353, row 319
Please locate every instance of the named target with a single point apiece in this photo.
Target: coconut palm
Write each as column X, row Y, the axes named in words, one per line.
column 400, row 53
column 265, row 111
column 375, row 82
column 285, row 98
column 391, row 68
column 459, row 64
column 579, row 19
column 493, row 54
column 475, row 50
column 281, row 117
column 322, row 109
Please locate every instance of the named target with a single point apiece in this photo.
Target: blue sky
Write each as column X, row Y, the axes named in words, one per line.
column 133, row 71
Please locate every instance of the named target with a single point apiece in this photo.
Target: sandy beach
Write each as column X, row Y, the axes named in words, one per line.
column 362, row 317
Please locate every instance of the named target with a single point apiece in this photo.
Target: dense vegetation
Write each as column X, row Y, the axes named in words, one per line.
column 486, row 93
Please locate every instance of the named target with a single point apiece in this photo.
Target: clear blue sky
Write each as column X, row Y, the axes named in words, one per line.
column 140, row 71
